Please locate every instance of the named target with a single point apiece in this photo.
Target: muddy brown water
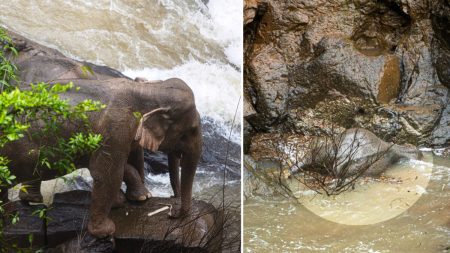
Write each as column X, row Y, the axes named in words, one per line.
column 286, row 226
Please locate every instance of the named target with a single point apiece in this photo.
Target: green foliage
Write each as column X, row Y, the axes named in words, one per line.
column 42, row 214
column 5, row 175
column 137, row 115
column 87, row 70
column 19, row 109
column 7, row 69
column 66, row 151
column 14, row 218
column 22, row 109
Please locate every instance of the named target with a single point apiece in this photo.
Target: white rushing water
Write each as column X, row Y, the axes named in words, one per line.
column 156, row 39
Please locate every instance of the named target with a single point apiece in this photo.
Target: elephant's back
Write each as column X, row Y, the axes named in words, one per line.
column 173, row 93
column 176, row 83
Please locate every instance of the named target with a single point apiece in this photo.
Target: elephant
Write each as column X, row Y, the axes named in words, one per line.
column 169, row 122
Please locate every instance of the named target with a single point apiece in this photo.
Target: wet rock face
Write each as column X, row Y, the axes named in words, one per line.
column 216, row 147
column 270, row 84
column 440, row 20
column 338, row 67
column 382, row 65
column 250, row 8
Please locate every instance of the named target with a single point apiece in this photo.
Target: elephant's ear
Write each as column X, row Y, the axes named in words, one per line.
column 152, row 128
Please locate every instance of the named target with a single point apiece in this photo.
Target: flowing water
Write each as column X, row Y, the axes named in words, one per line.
column 196, row 40
column 155, row 39
column 409, row 213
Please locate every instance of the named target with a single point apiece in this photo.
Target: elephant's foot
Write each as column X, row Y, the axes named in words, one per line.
column 138, row 194
column 136, row 190
column 178, row 213
column 120, row 200
column 101, row 227
column 90, row 243
column 35, row 197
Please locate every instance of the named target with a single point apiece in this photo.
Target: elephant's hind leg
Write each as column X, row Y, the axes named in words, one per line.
column 107, row 171
column 32, row 192
column 136, row 190
column 136, row 159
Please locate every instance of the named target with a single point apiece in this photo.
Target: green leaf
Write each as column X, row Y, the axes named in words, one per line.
column 30, row 239
column 137, row 115
column 87, row 70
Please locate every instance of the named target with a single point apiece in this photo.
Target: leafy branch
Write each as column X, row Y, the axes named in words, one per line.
column 38, row 111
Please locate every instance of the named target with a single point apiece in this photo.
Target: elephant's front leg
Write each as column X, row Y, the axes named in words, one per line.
column 189, row 163
column 174, row 174
column 107, row 171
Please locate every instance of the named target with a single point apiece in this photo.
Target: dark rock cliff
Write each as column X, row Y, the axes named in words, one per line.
column 382, row 65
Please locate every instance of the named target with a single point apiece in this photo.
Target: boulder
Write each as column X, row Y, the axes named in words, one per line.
column 68, row 216
column 262, row 169
column 40, row 63
column 441, row 134
column 250, row 8
column 258, row 182
column 136, row 231
column 355, row 149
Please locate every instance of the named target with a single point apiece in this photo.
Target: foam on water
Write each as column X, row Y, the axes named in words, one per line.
column 159, row 185
column 227, row 18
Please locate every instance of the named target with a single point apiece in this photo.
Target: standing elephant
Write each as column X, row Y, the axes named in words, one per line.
column 169, row 123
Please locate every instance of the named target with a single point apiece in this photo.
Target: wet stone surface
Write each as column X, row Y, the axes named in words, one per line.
column 134, row 228
column 28, row 223
column 136, row 231
column 68, row 216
